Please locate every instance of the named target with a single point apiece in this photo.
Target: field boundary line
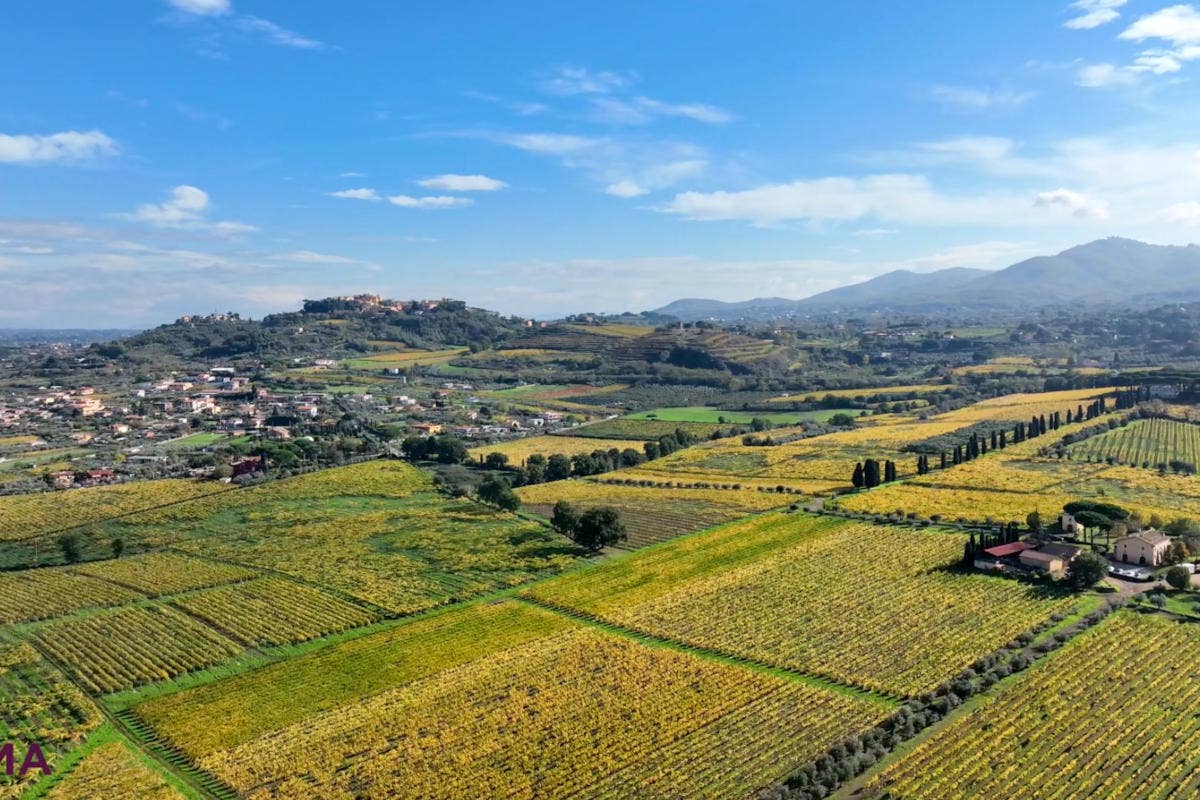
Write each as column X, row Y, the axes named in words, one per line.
column 878, row 698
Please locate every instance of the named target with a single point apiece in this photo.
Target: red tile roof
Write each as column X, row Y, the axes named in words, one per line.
column 1001, row 550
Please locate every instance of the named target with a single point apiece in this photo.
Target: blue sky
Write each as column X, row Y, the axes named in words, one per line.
column 160, row 157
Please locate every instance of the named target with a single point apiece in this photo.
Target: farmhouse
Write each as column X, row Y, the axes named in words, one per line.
column 1144, row 547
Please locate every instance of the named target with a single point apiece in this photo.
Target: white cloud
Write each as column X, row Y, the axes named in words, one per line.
column 309, row 257
column 626, row 188
column 276, row 34
column 1187, row 213
column 438, row 201
column 186, row 208
column 353, row 175
column 643, row 110
column 899, row 197
column 1078, row 204
column 1093, row 13
column 549, row 143
column 874, row 233
column 63, row 147
column 1179, row 24
column 577, row 80
column 979, row 99
column 462, row 183
column 203, row 7
column 1103, row 76
column 971, row 148
column 978, row 254
column 357, row 194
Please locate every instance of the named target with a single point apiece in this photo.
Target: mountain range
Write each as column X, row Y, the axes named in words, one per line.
column 1111, row 271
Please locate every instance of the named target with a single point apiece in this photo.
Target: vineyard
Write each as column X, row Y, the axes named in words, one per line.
column 1108, row 716
column 1150, row 443
column 804, row 605
column 869, row 394
column 43, row 593
column 28, row 515
column 126, row 647
column 653, row 514
column 645, row 429
column 38, row 703
column 270, row 611
column 156, row 574
column 113, row 771
column 520, row 722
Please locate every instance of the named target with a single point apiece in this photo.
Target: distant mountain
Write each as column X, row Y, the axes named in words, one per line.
column 1111, row 271
column 19, row 337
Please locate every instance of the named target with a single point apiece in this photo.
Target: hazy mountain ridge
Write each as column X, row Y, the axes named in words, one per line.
column 1104, row 272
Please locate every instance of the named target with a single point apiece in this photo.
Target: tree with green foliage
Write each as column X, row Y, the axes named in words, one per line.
column 564, row 518
column 497, row 492
column 1087, row 569
column 1178, row 578
column 1033, row 521
column 118, row 547
column 842, row 420
column 496, row 461
column 871, row 476
column 558, row 467
column 598, row 528
column 858, row 479
column 69, row 544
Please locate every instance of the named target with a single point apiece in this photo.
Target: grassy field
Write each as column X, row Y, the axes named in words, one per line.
column 868, row 394
column 193, row 441
column 518, row 450
column 652, row 514
column 644, row 429
column 815, row 595
column 509, row 701
column 1062, row 729
column 722, row 417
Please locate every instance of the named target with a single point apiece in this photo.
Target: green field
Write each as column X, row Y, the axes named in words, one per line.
column 193, row 441
column 721, row 417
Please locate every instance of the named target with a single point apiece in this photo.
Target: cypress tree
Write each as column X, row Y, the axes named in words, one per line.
column 857, row 480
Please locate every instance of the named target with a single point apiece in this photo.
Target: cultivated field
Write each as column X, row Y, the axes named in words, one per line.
column 113, row 771
column 543, row 708
column 1107, row 716
column 1143, row 443
column 815, row 595
column 653, row 514
column 644, row 429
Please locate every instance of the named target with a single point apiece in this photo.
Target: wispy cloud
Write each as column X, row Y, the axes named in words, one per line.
column 276, row 34
column 578, row 80
column 462, row 183
column 221, row 18
column 1187, row 214
column 1077, row 203
column 186, row 208
column 431, row 202
column 644, row 110
column 970, row 99
column 52, row 148
column 1093, row 13
column 310, row 257
column 203, row 7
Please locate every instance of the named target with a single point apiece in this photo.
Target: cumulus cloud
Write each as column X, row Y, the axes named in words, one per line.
column 436, row 201
column 357, row 194
column 1078, row 204
column 462, row 183
column 203, row 7
column 1179, row 24
column 63, row 147
column 186, row 208
column 1093, row 13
